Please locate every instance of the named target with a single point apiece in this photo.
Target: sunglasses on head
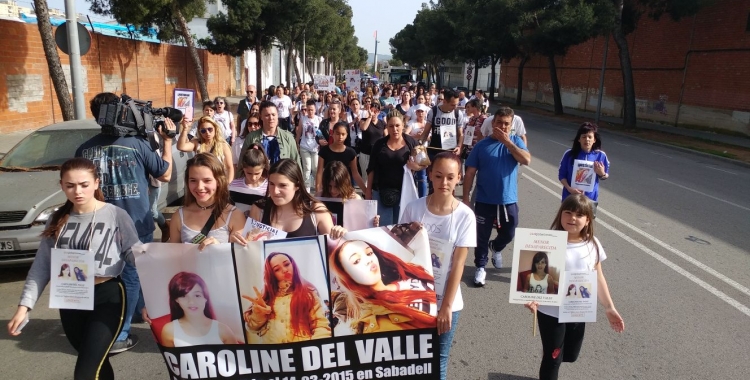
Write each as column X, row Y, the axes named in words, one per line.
column 206, row 130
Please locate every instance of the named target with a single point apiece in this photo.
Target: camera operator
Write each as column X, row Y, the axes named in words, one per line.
column 125, row 164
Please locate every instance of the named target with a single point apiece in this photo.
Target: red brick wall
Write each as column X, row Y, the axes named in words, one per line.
column 711, row 51
column 143, row 70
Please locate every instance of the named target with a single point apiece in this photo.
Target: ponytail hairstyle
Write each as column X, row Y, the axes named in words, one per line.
column 578, row 204
column 60, row 216
column 256, row 156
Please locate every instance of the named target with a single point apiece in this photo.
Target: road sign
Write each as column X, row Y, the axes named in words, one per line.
column 468, row 76
column 469, row 70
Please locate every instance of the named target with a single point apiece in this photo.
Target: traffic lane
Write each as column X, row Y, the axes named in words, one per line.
column 671, row 329
column 662, row 208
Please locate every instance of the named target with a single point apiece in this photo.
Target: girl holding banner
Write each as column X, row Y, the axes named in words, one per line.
column 193, row 321
column 452, row 230
column 85, row 224
column 584, row 165
column 561, row 342
column 381, row 292
column 207, row 217
column 291, row 208
column 289, row 309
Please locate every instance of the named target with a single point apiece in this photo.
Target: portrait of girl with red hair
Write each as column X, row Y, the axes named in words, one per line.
column 381, row 291
column 289, row 309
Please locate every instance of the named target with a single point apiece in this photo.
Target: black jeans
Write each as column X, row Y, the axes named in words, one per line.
column 507, row 221
column 561, row 342
column 92, row 332
column 285, row 123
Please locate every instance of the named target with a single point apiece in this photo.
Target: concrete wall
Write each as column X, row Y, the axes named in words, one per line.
column 693, row 73
column 142, row 70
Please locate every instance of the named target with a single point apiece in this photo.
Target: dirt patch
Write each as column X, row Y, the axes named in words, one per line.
column 692, row 143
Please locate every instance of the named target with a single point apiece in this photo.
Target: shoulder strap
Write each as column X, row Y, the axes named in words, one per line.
column 434, row 115
column 205, row 230
column 455, row 114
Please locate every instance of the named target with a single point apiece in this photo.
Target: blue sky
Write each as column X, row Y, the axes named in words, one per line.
column 388, row 17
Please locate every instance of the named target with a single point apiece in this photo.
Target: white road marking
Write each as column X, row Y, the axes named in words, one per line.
column 702, row 193
column 718, row 293
column 664, row 245
column 721, row 170
column 558, row 143
column 618, row 143
column 660, row 154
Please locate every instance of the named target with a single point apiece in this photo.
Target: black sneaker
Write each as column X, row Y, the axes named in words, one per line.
column 124, row 345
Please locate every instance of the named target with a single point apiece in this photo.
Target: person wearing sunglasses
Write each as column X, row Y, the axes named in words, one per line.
column 252, row 123
column 243, row 110
column 225, row 119
column 210, row 140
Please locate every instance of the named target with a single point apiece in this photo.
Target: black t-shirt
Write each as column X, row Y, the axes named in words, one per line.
column 388, row 164
column 371, row 135
column 344, row 157
column 325, row 129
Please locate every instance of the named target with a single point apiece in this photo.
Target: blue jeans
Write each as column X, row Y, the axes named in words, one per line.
column 420, row 179
column 133, row 294
column 388, row 215
column 153, row 199
column 446, row 341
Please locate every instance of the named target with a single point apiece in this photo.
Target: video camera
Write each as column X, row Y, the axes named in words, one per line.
column 132, row 117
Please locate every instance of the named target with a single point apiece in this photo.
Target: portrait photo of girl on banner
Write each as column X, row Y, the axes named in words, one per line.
column 290, row 306
column 193, row 321
column 375, row 290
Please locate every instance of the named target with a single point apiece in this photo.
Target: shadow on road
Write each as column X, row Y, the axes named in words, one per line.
column 13, row 274
column 505, row 376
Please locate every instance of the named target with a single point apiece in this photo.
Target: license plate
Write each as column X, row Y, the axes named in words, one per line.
column 7, row 245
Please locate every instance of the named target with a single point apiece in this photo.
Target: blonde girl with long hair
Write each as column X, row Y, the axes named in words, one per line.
column 210, row 139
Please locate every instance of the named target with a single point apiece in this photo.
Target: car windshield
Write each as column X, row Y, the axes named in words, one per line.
column 45, row 150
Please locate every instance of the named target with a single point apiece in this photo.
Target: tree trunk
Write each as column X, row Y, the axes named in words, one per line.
column 193, row 54
column 628, row 101
column 296, row 69
column 493, row 61
column 476, row 76
column 519, row 90
column 56, row 73
column 555, row 85
column 259, row 67
column 288, row 63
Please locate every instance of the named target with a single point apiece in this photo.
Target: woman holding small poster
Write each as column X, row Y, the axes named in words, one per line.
column 84, row 223
column 381, row 292
column 561, row 342
column 584, row 165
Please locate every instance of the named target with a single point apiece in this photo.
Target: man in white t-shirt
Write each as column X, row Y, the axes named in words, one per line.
column 308, row 133
column 284, row 105
column 446, row 124
column 462, row 100
column 517, row 128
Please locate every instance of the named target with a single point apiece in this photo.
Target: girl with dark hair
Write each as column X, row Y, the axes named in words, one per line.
column 337, row 183
column 405, row 104
column 572, row 292
column 225, row 119
column 252, row 123
column 84, row 222
column 289, row 309
column 64, row 271
column 192, row 317
column 561, row 342
column 540, row 280
column 586, row 147
column 209, row 140
column 246, row 190
column 338, row 151
column 452, row 223
column 377, row 285
column 206, row 201
column 291, row 208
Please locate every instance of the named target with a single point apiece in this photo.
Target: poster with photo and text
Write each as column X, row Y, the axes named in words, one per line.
column 538, row 266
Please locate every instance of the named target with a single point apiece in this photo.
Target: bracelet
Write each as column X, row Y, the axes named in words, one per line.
column 603, row 177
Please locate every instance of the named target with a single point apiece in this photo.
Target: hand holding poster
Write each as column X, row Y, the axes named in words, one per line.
column 584, row 176
column 352, row 214
column 352, row 79
column 275, row 309
column 257, row 231
column 538, row 266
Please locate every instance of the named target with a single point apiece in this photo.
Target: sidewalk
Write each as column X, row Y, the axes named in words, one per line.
column 9, row 140
column 743, row 142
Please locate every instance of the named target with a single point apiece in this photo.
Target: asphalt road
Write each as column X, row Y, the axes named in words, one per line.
column 676, row 228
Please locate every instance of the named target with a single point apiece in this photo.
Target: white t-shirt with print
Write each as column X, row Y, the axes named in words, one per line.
column 516, row 128
column 308, row 139
column 578, row 257
column 224, row 119
column 460, row 228
column 283, row 104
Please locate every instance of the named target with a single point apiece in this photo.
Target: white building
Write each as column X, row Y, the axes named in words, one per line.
column 10, row 9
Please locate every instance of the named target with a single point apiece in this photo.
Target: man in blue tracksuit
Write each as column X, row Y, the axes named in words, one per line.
column 494, row 160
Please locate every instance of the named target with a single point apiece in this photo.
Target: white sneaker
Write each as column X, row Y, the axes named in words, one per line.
column 479, row 277
column 497, row 257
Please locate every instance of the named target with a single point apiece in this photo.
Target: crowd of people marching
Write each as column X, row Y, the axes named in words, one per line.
column 292, row 145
